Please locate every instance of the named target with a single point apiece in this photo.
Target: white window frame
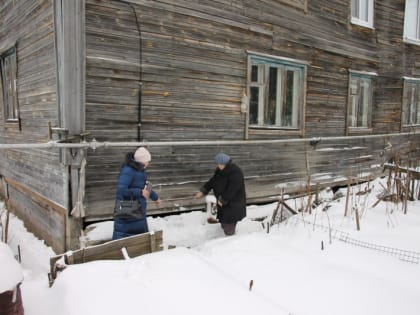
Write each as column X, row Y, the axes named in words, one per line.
column 360, row 101
column 412, row 22
column 292, row 121
column 410, row 114
column 362, row 12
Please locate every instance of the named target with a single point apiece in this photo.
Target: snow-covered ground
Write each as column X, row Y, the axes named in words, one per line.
column 306, row 265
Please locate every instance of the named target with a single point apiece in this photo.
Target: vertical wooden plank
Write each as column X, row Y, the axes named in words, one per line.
column 152, row 242
column 70, row 45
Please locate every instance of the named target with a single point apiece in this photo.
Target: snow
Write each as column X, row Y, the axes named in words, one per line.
column 12, row 275
column 302, row 266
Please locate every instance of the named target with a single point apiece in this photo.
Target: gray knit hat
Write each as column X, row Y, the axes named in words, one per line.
column 222, row 158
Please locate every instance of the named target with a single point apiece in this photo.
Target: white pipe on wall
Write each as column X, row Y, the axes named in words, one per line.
column 95, row 144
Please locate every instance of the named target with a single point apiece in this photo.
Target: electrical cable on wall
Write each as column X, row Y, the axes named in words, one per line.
column 140, row 71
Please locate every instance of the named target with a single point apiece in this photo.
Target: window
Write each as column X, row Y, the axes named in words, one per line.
column 360, row 101
column 362, row 12
column 411, row 103
column 8, row 85
column 276, row 88
column 412, row 21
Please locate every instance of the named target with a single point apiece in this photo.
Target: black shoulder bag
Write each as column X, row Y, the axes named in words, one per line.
column 128, row 209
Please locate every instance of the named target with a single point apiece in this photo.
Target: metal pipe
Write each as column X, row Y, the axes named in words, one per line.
column 107, row 144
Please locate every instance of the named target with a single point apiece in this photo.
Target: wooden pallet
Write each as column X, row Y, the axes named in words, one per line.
column 113, row 250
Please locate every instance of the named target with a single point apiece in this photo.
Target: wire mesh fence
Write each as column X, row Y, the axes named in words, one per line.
column 402, row 254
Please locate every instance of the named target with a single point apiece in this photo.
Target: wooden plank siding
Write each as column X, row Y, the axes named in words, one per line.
column 46, row 219
column 191, row 57
column 29, row 25
column 177, row 172
column 34, row 180
column 388, row 107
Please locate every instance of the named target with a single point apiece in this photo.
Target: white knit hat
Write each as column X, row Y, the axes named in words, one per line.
column 142, row 155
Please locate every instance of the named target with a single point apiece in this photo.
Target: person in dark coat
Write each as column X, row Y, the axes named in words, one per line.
column 228, row 186
column 132, row 183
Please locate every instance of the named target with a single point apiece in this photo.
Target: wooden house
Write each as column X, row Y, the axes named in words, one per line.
column 296, row 91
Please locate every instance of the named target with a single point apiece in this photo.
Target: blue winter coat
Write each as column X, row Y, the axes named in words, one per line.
column 131, row 181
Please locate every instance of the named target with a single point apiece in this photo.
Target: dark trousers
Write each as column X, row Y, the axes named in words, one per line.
column 229, row 228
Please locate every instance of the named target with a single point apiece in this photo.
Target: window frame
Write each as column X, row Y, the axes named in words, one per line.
column 362, row 78
column 356, row 17
column 8, row 85
column 409, row 124
column 408, row 32
column 267, row 61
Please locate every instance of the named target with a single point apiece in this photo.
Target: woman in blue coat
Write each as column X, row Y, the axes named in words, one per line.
column 132, row 184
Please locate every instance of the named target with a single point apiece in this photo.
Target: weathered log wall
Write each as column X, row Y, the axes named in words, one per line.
column 29, row 26
column 178, row 171
column 34, row 181
column 191, row 57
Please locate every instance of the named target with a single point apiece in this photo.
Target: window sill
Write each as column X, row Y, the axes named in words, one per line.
column 359, row 131
column 412, row 41
column 273, row 131
column 273, row 128
column 12, row 125
column 408, row 128
column 361, row 23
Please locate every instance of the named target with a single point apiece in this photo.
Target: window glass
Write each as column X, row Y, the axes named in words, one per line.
column 8, row 84
column 411, row 103
column 254, row 73
column 362, row 12
column 253, row 105
column 412, row 20
column 354, row 8
column 271, row 109
column 360, row 101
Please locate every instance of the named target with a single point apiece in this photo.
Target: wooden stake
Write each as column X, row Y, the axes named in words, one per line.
column 308, row 185
column 19, row 255
column 406, row 192
column 347, row 200
column 357, row 218
column 281, row 212
column 6, row 228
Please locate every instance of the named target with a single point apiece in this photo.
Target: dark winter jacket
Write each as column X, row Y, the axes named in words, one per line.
column 229, row 188
column 131, row 181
